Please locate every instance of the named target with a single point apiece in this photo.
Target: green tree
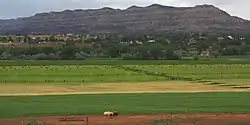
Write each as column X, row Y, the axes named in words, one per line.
column 113, row 51
column 5, row 56
column 231, row 50
column 27, row 39
column 79, row 56
column 10, row 39
column 32, row 51
column 142, row 52
column 168, row 51
column 68, row 52
column 2, row 49
column 156, row 51
column 87, row 49
column 48, row 50
column 52, row 38
column 177, row 54
column 17, row 51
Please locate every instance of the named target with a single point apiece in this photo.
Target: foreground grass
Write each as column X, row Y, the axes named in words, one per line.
column 125, row 104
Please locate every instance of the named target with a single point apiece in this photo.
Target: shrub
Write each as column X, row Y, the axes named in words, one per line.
column 53, row 56
column 128, row 57
column 196, row 58
column 177, row 54
column 79, row 56
column 34, row 122
column 41, row 56
column 5, row 56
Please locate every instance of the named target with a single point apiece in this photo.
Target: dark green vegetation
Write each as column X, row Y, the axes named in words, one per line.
column 151, row 47
column 125, row 103
column 121, row 73
column 36, row 123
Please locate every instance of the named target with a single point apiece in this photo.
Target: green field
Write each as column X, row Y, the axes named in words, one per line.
column 125, row 103
column 39, row 77
column 121, row 73
column 116, row 62
column 70, row 74
column 199, row 71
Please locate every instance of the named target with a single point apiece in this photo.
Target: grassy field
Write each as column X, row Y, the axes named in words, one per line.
column 125, row 103
column 199, row 71
column 117, row 62
column 71, row 74
column 121, row 73
column 95, row 77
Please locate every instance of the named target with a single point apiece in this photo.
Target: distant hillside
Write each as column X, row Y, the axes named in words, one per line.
column 153, row 18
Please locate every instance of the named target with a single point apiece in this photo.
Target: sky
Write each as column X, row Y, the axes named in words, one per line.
column 24, row 8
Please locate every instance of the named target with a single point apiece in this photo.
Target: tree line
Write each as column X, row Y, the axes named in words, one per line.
column 144, row 47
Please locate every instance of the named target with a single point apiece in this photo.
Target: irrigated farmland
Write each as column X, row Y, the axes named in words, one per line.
column 140, row 88
column 71, row 74
column 121, row 73
column 127, row 104
column 199, row 71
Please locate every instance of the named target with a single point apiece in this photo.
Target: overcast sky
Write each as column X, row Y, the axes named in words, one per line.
column 24, row 8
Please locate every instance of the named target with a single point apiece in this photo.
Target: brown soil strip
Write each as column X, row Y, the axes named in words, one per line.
column 153, row 87
column 184, row 119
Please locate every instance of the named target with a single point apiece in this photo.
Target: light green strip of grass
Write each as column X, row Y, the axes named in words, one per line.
column 216, row 71
column 71, row 74
column 115, row 62
column 125, row 104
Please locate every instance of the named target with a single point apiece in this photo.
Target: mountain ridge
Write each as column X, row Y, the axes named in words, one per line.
column 134, row 19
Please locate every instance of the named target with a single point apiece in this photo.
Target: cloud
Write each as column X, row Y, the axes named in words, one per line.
column 22, row 8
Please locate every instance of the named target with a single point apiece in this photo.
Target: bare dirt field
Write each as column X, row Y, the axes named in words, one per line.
column 98, row 88
column 188, row 119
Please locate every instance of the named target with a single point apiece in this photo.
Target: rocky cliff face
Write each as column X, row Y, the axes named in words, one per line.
column 153, row 18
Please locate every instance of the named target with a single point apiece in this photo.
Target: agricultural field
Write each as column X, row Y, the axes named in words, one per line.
column 146, row 104
column 70, row 74
column 121, row 73
column 141, row 89
column 199, row 71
